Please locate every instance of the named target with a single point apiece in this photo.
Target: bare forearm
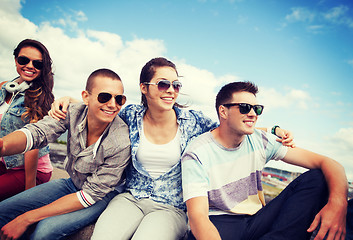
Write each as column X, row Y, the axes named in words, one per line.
column 336, row 180
column 203, row 228
column 31, row 163
column 14, row 143
column 66, row 204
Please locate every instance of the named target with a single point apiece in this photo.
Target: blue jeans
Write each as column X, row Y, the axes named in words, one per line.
column 55, row 227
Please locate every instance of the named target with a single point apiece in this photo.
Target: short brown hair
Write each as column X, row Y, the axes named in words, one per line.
column 103, row 72
column 226, row 93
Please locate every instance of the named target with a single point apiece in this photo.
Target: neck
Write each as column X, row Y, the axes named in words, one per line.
column 94, row 131
column 227, row 138
column 160, row 117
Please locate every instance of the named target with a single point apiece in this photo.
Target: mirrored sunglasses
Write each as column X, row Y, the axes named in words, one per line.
column 22, row 60
column 164, row 85
column 104, row 97
column 245, row 108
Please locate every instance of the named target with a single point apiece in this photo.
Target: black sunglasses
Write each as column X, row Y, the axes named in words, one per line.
column 22, row 60
column 164, row 85
column 245, row 108
column 104, row 97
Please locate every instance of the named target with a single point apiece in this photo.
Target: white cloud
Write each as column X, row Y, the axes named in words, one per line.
column 10, row 7
column 74, row 58
column 339, row 15
column 335, row 13
column 80, row 16
column 292, row 98
column 316, row 28
column 335, row 16
column 300, row 14
column 340, row 147
column 344, row 139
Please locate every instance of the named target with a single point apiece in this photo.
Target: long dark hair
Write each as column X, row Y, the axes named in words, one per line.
column 148, row 72
column 39, row 97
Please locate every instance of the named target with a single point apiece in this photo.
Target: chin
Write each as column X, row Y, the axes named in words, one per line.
column 249, row 132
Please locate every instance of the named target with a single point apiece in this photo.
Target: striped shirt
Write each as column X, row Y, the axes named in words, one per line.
column 230, row 178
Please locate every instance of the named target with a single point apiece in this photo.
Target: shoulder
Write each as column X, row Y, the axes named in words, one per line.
column 75, row 108
column 189, row 113
column 120, row 125
column 118, row 132
column 131, row 111
column 200, row 142
column 266, row 141
column 131, row 108
column 195, row 117
column 262, row 136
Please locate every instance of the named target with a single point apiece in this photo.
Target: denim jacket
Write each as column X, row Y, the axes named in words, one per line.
column 11, row 121
column 167, row 188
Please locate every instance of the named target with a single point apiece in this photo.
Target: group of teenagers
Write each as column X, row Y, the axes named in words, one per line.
column 154, row 170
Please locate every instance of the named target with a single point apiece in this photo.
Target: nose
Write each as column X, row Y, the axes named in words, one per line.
column 30, row 64
column 171, row 88
column 252, row 112
column 112, row 103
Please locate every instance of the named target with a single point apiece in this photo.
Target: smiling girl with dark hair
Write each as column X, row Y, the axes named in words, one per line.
column 26, row 99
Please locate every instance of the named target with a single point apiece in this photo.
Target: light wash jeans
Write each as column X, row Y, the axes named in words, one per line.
column 129, row 218
column 55, row 227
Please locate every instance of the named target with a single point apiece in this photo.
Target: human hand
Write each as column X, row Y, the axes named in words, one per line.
column 332, row 221
column 285, row 137
column 14, row 229
column 59, row 108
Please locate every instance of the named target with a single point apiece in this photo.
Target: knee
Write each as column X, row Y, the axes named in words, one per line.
column 316, row 181
column 315, row 177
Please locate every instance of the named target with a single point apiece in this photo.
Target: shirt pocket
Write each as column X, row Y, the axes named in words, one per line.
column 13, row 120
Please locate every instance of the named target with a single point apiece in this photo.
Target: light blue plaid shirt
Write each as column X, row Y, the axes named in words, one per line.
column 167, row 188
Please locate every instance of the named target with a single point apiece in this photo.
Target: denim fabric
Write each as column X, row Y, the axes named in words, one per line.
column 55, row 227
column 11, row 120
column 166, row 188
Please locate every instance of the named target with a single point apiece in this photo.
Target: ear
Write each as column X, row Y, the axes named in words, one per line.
column 143, row 88
column 85, row 97
column 223, row 112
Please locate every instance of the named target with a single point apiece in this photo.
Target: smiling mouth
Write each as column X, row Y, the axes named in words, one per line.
column 249, row 123
column 29, row 73
column 109, row 112
column 167, row 98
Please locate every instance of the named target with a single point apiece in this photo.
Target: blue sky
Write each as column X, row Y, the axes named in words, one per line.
column 299, row 53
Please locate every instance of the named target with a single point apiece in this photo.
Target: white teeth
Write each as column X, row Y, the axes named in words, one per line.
column 30, row 73
column 249, row 123
column 108, row 112
column 167, row 98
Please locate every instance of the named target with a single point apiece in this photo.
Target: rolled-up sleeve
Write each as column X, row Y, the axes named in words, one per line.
column 45, row 131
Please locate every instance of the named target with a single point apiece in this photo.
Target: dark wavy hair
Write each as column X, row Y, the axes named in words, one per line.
column 39, row 97
column 148, row 72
